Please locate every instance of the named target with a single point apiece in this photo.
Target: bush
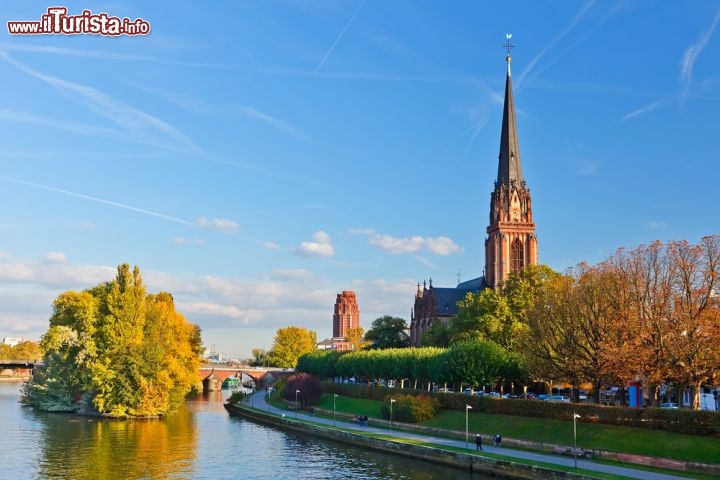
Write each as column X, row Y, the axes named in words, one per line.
column 310, row 389
column 236, row 397
column 410, row 408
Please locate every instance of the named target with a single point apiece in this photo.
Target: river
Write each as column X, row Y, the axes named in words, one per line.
column 200, row 442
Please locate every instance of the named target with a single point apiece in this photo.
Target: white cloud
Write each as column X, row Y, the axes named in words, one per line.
column 320, row 247
column 239, row 308
column 438, row 245
column 270, row 246
column 55, row 257
column 187, row 241
column 222, row 224
column 655, row 225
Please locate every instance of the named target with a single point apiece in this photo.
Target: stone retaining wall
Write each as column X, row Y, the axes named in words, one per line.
column 498, row 468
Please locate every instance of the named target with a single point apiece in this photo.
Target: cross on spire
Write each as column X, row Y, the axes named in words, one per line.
column 507, row 43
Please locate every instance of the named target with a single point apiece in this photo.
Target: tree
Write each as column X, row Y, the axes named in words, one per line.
column 290, row 344
column 356, row 338
column 475, row 362
column 118, row 350
column 486, row 316
column 260, row 357
column 388, row 332
column 438, row 335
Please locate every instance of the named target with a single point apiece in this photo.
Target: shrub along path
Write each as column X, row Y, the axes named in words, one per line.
column 359, row 407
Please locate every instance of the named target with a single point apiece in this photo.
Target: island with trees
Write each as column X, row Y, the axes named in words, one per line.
column 117, row 351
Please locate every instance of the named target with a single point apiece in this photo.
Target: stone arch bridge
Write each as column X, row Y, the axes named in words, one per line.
column 258, row 377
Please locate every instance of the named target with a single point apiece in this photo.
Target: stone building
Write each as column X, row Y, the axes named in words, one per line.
column 511, row 243
column 346, row 316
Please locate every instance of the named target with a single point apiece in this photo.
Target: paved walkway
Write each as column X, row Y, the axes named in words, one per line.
column 257, row 400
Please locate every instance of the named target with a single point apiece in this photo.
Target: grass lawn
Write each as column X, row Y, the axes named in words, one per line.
column 611, row 438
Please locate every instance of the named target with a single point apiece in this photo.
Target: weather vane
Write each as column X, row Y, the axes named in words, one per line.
column 507, row 44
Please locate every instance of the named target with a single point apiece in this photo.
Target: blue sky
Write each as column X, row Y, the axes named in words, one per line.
column 255, row 158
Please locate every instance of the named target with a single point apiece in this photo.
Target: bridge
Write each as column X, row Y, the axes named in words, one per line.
column 255, row 376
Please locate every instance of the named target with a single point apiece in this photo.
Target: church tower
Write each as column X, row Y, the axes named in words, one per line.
column 511, row 243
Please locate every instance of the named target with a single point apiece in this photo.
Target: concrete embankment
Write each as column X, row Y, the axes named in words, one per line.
column 465, row 461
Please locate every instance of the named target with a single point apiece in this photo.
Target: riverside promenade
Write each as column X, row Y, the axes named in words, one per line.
column 258, row 401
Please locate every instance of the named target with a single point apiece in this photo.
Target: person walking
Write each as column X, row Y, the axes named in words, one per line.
column 478, row 442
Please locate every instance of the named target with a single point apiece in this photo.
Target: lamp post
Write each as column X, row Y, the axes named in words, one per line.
column 575, row 417
column 296, row 402
column 392, row 400
column 335, row 395
column 269, row 390
column 467, row 409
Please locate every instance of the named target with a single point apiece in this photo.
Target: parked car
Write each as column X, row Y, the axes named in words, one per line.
column 669, row 405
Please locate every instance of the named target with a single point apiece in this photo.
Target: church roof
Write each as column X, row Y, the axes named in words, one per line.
column 474, row 284
column 509, row 166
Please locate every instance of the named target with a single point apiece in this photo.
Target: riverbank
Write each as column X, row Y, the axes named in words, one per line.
column 256, row 408
column 392, row 444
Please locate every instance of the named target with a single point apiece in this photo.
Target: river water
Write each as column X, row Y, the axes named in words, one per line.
column 200, row 442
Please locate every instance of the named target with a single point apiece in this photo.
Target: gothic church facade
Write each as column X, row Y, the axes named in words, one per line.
column 511, row 243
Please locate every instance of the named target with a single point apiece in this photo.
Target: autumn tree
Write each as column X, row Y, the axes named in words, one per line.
column 115, row 349
column 289, row 344
column 693, row 347
column 388, row 332
column 356, row 337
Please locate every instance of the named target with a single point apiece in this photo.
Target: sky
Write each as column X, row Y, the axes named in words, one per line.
column 256, row 158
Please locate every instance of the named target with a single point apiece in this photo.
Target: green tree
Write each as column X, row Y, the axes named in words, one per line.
column 476, row 362
column 290, row 344
column 486, row 316
column 388, row 332
column 118, row 350
column 438, row 335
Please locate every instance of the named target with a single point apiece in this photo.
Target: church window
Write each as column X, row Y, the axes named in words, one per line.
column 517, row 259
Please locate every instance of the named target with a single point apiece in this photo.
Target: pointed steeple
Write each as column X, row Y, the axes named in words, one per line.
column 509, row 166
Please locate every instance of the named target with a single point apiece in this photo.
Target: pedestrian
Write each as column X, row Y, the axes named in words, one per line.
column 497, row 438
column 478, row 442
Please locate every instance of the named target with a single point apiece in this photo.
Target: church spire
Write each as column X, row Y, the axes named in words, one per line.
column 509, row 166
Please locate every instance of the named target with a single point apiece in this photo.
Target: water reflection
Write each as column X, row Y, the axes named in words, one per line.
column 92, row 448
column 200, row 442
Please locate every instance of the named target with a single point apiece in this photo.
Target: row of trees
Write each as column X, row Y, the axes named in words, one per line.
column 24, row 351
column 650, row 314
column 118, row 350
column 470, row 363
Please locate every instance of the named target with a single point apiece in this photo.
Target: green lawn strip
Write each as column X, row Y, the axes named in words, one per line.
column 594, row 436
column 366, row 407
column 639, row 441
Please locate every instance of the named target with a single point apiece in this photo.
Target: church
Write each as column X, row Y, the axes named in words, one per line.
column 511, row 243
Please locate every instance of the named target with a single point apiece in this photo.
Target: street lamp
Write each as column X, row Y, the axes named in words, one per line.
column 296, row 402
column 467, row 408
column 335, row 395
column 575, row 417
column 269, row 390
column 392, row 400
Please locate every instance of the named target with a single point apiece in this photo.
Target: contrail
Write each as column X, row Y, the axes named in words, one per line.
column 339, row 36
column 100, row 200
column 578, row 16
column 691, row 54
